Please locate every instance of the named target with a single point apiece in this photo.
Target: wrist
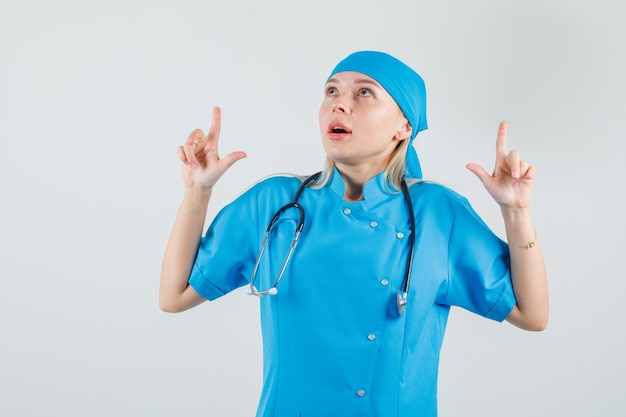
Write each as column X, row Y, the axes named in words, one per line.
column 520, row 230
column 516, row 215
column 198, row 196
column 525, row 245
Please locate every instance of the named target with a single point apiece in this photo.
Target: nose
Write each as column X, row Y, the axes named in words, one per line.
column 339, row 108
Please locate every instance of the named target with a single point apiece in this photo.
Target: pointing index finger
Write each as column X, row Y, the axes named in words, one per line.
column 216, row 123
column 501, row 140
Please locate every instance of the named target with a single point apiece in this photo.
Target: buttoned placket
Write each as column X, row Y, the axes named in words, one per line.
column 372, row 336
column 384, row 282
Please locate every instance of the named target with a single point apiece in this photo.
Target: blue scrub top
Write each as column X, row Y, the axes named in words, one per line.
column 333, row 344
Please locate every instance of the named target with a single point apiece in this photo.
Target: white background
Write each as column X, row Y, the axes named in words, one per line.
column 95, row 97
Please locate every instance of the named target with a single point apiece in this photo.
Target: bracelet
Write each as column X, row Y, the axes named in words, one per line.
column 528, row 245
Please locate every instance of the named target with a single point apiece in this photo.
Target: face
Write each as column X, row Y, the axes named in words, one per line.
column 360, row 122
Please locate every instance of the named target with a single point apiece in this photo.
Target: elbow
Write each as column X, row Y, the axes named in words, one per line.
column 179, row 302
column 536, row 322
column 168, row 306
column 539, row 321
column 542, row 324
column 537, row 325
column 531, row 326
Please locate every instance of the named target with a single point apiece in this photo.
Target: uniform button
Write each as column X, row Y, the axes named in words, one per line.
column 360, row 393
column 371, row 336
column 400, row 235
column 373, row 224
column 347, row 211
column 384, row 282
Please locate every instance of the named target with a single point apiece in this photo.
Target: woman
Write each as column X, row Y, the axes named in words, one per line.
column 353, row 317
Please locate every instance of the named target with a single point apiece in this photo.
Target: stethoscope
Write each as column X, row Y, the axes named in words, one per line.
column 401, row 297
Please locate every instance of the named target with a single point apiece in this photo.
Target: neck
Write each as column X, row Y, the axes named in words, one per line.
column 355, row 179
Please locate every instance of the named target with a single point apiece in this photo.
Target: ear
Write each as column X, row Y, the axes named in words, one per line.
column 404, row 132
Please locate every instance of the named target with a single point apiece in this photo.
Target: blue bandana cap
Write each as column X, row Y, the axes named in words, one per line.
column 403, row 84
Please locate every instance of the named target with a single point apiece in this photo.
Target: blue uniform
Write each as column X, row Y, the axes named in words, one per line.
column 333, row 344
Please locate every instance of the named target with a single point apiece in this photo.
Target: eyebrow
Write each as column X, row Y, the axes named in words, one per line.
column 357, row 81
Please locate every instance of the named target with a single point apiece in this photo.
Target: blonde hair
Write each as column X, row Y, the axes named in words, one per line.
column 394, row 172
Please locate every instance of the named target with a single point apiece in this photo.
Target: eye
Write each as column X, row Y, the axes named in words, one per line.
column 365, row 92
column 331, row 91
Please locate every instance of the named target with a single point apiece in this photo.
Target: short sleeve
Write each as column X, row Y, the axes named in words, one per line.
column 227, row 251
column 478, row 267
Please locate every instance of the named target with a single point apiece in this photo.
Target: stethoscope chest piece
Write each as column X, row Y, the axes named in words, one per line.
column 401, row 302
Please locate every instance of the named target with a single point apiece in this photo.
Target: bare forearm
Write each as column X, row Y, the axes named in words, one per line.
column 180, row 252
column 528, row 272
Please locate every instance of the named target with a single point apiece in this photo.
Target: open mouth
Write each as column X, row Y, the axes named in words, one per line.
column 338, row 128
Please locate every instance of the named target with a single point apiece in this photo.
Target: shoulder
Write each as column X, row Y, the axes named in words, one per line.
column 263, row 196
column 277, row 184
column 435, row 192
column 449, row 207
column 274, row 187
column 437, row 201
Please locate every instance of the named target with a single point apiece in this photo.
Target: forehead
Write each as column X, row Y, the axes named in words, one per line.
column 352, row 77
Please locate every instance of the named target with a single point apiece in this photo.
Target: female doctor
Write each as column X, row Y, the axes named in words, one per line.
column 356, row 268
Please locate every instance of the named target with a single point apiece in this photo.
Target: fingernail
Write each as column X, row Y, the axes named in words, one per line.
column 515, row 174
column 189, row 141
column 194, row 165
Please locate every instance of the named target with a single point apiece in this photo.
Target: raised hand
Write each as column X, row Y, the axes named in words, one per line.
column 202, row 165
column 511, row 183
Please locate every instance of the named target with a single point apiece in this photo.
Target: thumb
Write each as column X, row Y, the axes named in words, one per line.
column 233, row 157
column 480, row 172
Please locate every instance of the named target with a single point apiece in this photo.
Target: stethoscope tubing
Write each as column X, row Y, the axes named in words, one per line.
column 402, row 294
column 293, row 204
